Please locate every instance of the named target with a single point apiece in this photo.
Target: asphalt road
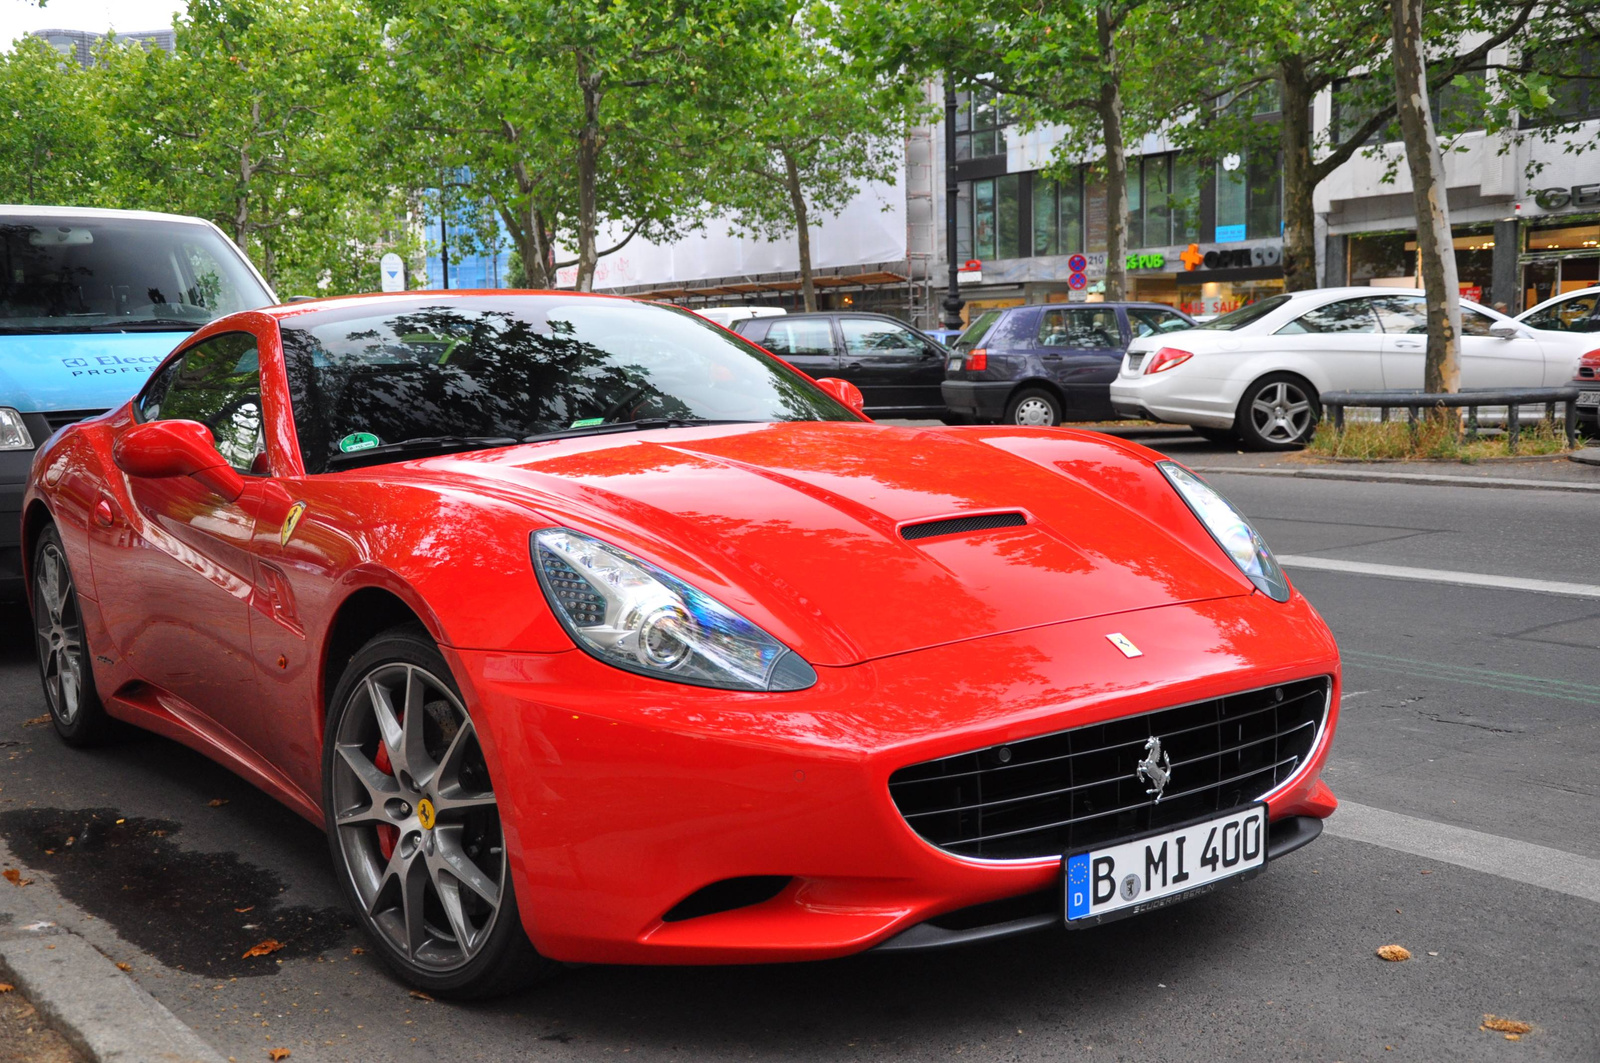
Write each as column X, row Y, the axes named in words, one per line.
column 1466, row 707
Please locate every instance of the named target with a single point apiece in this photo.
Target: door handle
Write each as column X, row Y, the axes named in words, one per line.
column 1409, row 345
column 104, row 515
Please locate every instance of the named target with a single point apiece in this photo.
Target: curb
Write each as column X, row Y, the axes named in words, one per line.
column 1415, row 478
column 1586, row 456
column 98, row 1009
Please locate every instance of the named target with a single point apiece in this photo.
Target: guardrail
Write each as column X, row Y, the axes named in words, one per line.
column 1334, row 403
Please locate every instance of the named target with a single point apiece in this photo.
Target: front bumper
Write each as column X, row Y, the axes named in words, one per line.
column 14, row 466
column 982, row 400
column 629, row 794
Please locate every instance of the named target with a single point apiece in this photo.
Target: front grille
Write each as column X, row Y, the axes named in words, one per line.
column 952, row 525
column 1135, row 361
column 1078, row 789
column 59, row 419
column 1586, row 373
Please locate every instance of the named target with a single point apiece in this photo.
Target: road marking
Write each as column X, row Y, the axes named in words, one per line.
column 1536, row 865
column 1516, row 683
column 1440, row 575
column 1426, row 479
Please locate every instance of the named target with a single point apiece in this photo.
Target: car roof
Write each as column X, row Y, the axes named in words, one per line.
column 8, row 210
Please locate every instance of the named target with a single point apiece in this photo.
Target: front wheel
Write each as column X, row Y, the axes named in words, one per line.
column 1277, row 412
column 75, row 709
column 414, row 824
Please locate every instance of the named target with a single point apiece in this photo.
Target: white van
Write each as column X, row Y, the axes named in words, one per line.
column 727, row 315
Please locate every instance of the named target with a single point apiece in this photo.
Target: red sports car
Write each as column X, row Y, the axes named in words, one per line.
column 592, row 632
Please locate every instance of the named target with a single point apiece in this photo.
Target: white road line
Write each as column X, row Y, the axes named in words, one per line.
column 1537, row 865
column 1439, row 575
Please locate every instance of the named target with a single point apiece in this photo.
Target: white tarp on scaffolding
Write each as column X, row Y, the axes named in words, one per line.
column 871, row 229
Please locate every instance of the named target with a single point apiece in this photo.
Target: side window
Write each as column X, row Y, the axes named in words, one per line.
column 1081, row 328
column 1155, row 322
column 1474, row 323
column 751, row 329
column 1346, row 316
column 810, row 336
column 1402, row 314
column 1573, row 315
column 864, row 336
column 217, row 383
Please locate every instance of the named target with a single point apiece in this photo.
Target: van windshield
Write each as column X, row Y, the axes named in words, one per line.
column 93, row 274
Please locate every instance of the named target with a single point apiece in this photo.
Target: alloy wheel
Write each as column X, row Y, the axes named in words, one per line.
column 59, row 630
column 417, row 823
column 1035, row 413
column 1282, row 413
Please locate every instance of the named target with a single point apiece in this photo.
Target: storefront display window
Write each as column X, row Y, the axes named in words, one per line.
column 1390, row 260
column 1221, row 297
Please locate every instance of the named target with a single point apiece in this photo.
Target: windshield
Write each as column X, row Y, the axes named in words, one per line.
column 499, row 369
column 1243, row 316
column 94, row 274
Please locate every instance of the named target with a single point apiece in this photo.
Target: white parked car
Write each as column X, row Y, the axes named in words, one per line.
column 1576, row 311
column 1256, row 374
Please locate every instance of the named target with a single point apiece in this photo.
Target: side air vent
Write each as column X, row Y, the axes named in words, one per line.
column 955, row 525
column 727, row 895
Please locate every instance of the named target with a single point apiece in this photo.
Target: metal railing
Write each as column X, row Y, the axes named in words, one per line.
column 1334, row 403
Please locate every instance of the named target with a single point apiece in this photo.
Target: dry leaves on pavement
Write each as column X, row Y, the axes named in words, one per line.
column 265, row 948
column 124, row 966
column 1512, row 1028
column 13, row 876
column 277, row 1053
column 420, row 995
column 37, row 721
column 6, row 987
column 1393, row 953
column 218, row 802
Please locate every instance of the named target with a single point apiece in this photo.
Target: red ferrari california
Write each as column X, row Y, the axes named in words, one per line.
column 591, row 632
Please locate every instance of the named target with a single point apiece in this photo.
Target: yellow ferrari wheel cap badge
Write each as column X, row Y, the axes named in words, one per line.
column 290, row 522
column 425, row 813
column 1125, row 644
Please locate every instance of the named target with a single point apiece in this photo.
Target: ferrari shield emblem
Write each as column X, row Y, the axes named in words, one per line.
column 1125, row 644
column 289, row 523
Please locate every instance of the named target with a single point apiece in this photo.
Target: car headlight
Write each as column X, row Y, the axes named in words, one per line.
column 629, row 613
column 1231, row 531
column 13, row 432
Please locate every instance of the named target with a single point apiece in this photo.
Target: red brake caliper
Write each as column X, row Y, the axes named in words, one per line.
column 388, row 833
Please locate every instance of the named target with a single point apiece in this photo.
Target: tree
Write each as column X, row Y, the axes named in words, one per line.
column 51, row 133
column 815, row 128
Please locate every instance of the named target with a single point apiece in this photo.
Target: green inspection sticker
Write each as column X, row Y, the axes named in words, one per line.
column 588, row 422
column 357, row 441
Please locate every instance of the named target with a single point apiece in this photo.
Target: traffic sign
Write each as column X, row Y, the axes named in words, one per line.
column 1077, row 281
column 392, row 272
column 1077, row 264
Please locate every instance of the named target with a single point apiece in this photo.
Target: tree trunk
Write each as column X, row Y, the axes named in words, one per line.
column 588, row 165
column 1299, row 210
column 1110, row 110
column 1435, row 247
column 802, row 228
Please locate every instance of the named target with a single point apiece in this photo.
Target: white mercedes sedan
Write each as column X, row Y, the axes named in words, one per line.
column 1255, row 376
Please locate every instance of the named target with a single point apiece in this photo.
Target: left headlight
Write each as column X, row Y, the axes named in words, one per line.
column 1230, row 529
column 631, row 614
column 13, row 432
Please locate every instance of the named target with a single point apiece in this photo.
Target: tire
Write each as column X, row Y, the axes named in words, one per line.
column 1034, row 408
column 1277, row 412
column 426, row 833
column 63, row 650
column 1221, row 436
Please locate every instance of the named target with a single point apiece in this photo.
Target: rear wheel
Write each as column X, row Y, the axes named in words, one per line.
column 1277, row 412
column 75, row 708
column 414, row 825
column 1034, row 408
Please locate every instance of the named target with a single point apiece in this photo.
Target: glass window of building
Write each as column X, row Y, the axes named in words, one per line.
column 996, row 218
column 981, row 121
column 1058, row 214
column 1232, row 200
column 1163, row 201
column 1574, row 98
column 1264, row 218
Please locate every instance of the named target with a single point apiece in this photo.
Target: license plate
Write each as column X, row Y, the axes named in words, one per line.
column 955, row 365
column 1589, row 398
column 1159, row 868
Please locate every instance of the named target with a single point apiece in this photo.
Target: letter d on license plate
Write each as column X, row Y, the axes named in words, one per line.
column 1157, row 869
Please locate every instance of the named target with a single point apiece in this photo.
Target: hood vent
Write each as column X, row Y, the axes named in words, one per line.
column 955, row 525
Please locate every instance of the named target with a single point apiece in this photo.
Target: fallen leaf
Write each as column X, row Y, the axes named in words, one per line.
column 120, row 822
column 277, row 1053
column 1499, row 1025
column 6, row 987
column 1393, row 953
column 124, row 966
column 218, row 802
column 358, row 951
column 13, row 876
column 241, row 911
column 1433, row 954
column 1424, row 872
column 1513, row 1037
column 265, row 948
column 420, row 995
column 37, row 721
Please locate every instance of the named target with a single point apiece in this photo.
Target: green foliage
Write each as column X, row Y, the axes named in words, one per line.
column 52, row 137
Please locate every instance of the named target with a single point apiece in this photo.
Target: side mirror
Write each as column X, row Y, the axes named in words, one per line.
column 1504, row 332
column 845, row 392
column 159, row 449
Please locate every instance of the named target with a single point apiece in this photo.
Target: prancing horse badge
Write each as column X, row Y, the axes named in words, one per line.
column 1125, row 644
column 290, row 521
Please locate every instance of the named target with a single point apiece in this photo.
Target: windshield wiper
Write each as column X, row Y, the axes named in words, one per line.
column 422, row 445
column 146, row 324
column 629, row 426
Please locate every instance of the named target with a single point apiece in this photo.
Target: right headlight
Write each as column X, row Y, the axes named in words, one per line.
column 1229, row 528
column 631, row 614
column 13, row 432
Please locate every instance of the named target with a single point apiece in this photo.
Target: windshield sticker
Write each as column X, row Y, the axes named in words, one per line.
column 358, row 441
column 588, row 422
column 289, row 523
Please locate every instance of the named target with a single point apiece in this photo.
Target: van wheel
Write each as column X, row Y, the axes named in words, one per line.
column 1277, row 412
column 1034, row 408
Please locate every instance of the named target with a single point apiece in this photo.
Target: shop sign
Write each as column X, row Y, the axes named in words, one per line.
column 1576, row 196
column 1472, row 292
column 1232, row 258
column 1155, row 260
column 971, row 272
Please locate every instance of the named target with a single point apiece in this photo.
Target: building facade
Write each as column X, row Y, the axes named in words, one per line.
column 78, row 45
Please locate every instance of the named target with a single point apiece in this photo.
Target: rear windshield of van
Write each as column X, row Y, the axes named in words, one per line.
column 90, row 274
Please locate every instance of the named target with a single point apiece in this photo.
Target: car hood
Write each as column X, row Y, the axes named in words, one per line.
column 800, row 526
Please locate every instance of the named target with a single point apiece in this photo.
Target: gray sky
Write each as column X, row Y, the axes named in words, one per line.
column 18, row 17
